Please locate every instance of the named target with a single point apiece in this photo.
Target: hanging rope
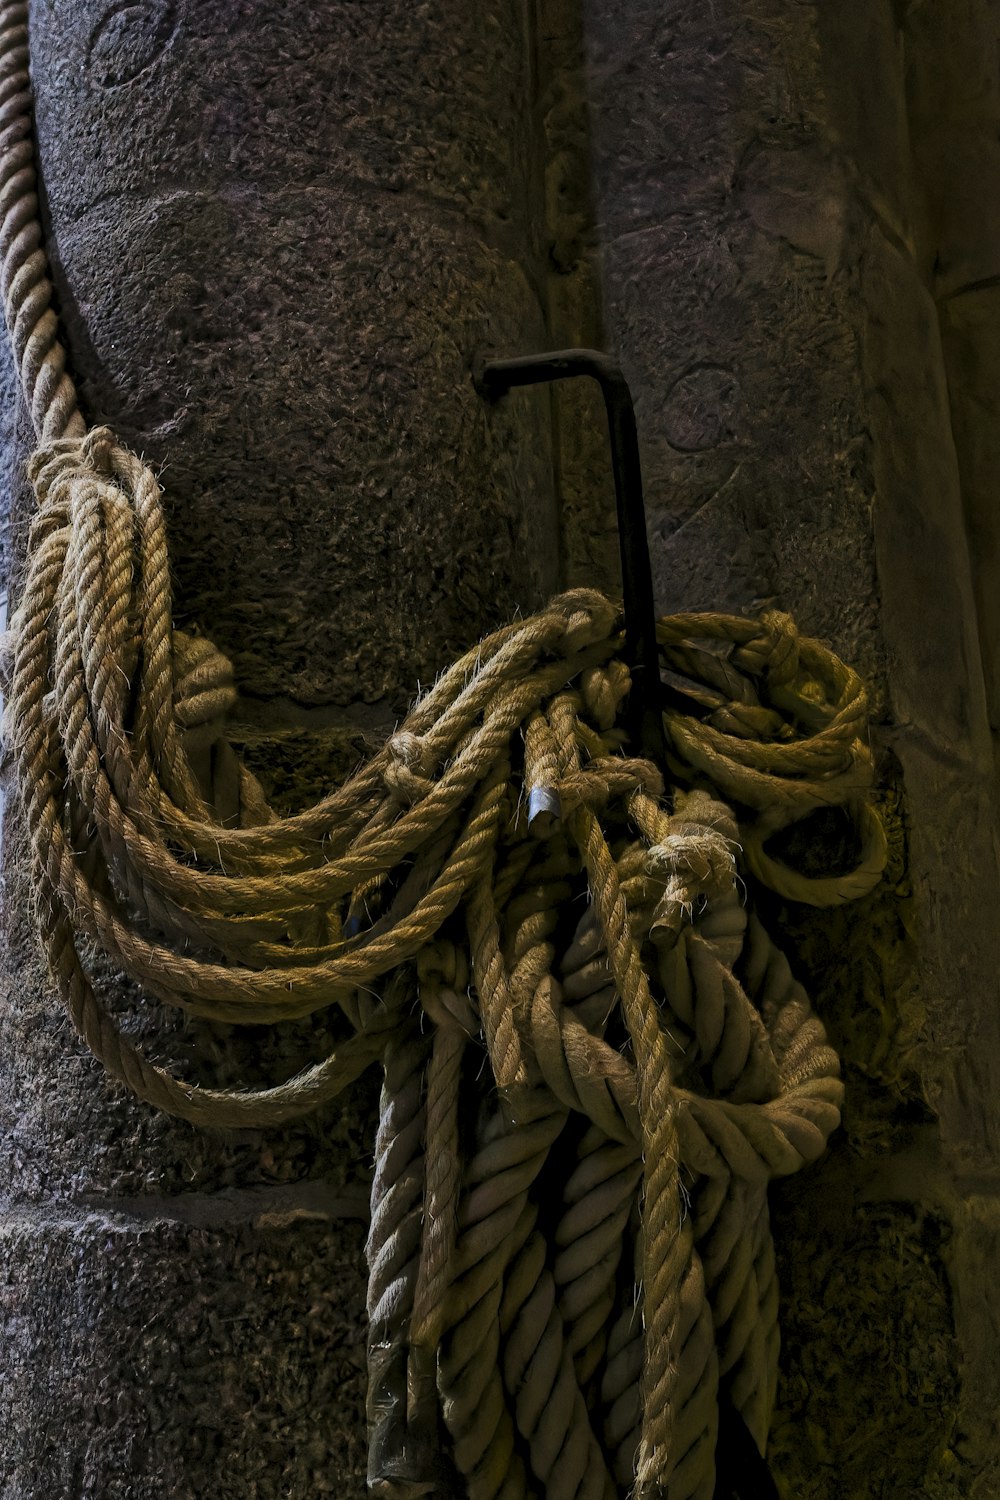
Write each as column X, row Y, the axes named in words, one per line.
column 569, row 1251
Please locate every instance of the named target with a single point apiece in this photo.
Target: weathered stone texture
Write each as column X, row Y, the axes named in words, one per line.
column 765, row 251
column 279, row 233
column 157, row 1358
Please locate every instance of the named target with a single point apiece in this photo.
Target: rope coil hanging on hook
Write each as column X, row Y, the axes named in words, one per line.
column 569, row 1250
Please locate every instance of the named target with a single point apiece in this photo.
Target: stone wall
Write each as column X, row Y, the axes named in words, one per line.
column 782, row 218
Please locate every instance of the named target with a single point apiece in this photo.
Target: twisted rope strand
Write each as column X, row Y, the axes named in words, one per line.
column 24, row 280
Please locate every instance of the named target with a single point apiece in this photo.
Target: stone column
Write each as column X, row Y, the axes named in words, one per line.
column 279, row 233
column 734, row 208
column 953, row 98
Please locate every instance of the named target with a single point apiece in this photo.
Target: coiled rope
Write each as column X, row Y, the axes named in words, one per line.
column 569, row 1251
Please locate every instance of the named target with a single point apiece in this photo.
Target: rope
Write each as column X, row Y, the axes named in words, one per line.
column 594, row 1057
column 49, row 391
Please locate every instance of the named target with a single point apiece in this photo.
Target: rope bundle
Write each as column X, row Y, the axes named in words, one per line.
column 594, row 1057
column 565, row 1280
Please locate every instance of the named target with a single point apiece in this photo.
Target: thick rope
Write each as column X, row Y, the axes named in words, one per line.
column 27, row 291
column 662, row 1018
column 594, row 1057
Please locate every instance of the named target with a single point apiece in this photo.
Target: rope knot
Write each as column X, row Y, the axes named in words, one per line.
column 693, row 853
column 603, row 690
column 697, row 856
column 98, row 451
column 443, row 974
column 774, row 652
column 409, row 775
column 590, row 617
column 65, row 469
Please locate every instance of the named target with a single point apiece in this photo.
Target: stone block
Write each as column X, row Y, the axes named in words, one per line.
column 158, row 1359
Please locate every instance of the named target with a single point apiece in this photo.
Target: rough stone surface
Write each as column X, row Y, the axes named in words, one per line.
column 971, row 346
column 759, row 207
column 954, row 97
column 233, row 1364
column 279, row 234
column 310, row 237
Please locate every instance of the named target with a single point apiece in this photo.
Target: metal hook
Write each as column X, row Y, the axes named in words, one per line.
column 494, row 378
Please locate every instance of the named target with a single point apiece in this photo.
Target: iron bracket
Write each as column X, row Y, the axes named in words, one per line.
column 493, row 379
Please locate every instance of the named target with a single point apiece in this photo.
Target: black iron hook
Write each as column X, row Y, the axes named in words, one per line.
column 493, row 379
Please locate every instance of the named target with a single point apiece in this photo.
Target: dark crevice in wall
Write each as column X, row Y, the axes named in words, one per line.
column 583, row 481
